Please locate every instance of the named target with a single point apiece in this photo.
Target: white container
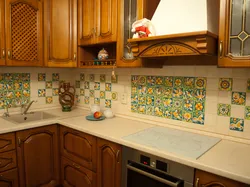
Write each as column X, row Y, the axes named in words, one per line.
column 108, row 113
column 95, row 108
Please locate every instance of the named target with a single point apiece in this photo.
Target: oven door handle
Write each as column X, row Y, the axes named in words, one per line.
column 159, row 179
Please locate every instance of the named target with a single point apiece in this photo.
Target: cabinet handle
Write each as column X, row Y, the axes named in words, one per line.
column 74, row 56
column 3, row 53
column 221, row 48
column 76, row 166
column 117, row 156
column 197, row 182
column 9, row 54
column 19, row 141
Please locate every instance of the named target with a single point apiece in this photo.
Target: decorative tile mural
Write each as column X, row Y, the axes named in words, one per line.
column 14, row 89
column 225, row 84
column 177, row 98
column 224, row 110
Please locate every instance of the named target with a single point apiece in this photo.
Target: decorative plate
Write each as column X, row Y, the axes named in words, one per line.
column 91, row 118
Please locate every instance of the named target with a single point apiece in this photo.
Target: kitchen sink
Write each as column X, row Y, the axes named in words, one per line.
column 34, row 116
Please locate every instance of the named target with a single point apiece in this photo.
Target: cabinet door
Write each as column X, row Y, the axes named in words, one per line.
column 37, row 154
column 7, row 142
column 24, row 32
column 204, row 179
column 9, row 178
column 60, row 33
column 86, row 22
column 79, row 147
column 108, row 164
column 7, row 160
column 234, row 33
column 106, row 16
column 2, row 33
column 74, row 175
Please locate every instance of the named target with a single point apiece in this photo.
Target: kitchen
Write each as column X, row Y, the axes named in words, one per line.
column 181, row 118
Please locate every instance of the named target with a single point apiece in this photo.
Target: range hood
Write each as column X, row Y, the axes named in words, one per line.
column 183, row 28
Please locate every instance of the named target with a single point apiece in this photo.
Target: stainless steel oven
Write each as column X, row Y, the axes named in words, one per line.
column 144, row 170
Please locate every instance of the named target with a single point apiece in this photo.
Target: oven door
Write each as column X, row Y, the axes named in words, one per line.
column 142, row 176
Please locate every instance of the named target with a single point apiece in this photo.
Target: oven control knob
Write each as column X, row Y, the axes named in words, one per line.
column 152, row 164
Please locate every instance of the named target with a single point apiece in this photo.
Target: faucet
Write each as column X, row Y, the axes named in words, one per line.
column 27, row 107
column 6, row 114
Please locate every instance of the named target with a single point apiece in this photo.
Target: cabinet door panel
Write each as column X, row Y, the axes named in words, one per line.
column 74, row 175
column 109, row 158
column 24, row 34
column 2, row 33
column 86, row 22
column 79, row 147
column 9, row 178
column 7, row 142
column 38, row 157
column 106, row 20
column 8, row 160
column 60, row 33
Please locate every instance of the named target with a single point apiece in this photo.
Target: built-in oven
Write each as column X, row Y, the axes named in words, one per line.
column 144, row 170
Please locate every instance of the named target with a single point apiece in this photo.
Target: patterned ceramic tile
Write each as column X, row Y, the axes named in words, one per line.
column 247, row 112
column 151, row 80
column 188, row 105
column 239, row 98
column 188, row 93
column 150, row 100
column 114, row 96
column 134, row 99
column 159, row 80
column 17, row 76
column 1, row 77
column 168, row 92
column 108, row 103
column 198, row 118
column 134, row 80
column 159, row 91
column 91, row 77
column 49, row 100
column 97, row 86
column 167, row 102
column 9, row 95
column 177, row 103
column 114, row 79
column 134, row 108
column 8, row 76
column 77, row 84
column 178, row 81
column 18, row 94
column 142, row 80
column 41, row 92
column 82, row 92
column 158, row 101
column 168, row 81
column 200, row 82
column 248, row 85
column 102, row 78
column 55, row 77
column 150, row 110
column 82, row 77
column 224, row 110
column 199, row 107
column 159, row 111
column 55, row 91
column 108, row 86
column 178, row 92
column 86, row 85
column 187, row 116
column 141, row 90
column 41, row 77
column 177, row 114
column 102, row 94
column 142, row 109
column 26, row 93
column 225, row 84
column 91, row 93
column 26, row 85
column 237, row 124
column 97, row 101
column 78, row 99
column 86, row 99
column 48, row 84
column 26, row 76
column 189, row 82
column 150, row 90
column 168, row 114
column 200, row 94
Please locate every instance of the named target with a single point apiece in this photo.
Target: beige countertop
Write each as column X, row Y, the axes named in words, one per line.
column 227, row 158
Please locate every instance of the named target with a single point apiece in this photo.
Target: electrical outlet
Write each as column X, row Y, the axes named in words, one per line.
column 124, row 98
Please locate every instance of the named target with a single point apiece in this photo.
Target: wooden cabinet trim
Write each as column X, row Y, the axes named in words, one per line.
column 9, row 178
column 2, row 33
column 7, row 142
column 8, row 160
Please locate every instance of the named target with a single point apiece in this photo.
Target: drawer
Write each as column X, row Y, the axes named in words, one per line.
column 9, row 178
column 8, row 160
column 78, row 147
column 7, row 142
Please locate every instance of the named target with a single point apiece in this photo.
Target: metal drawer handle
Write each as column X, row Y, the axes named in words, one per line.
column 164, row 181
column 117, row 156
column 9, row 54
column 197, row 182
column 221, row 49
column 76, row 166
column 74, row 57
column 3, row 53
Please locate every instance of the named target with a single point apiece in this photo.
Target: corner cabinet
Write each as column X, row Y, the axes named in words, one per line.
column 24, row 32
column 234, row 33
column 2, row 33
column 38, row 157
column 60, row 33
column 108, row 158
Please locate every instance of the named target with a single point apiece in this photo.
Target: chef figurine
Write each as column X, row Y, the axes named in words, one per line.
column 143, row 28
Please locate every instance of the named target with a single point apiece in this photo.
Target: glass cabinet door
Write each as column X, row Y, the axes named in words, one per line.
column 234, row 33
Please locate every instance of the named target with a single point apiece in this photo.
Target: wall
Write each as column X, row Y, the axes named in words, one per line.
column 224, row 108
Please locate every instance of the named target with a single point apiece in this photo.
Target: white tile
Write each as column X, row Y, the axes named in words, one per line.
column 224, row 97
column 247, row 126
column 102, row 86
column 240, row 72
column 248, row 99
column 201, row 71
column 239, row 85
column 236, row 133
column 188, row 71
column 48, row 76
column 41, row 85
column 212, row 83
column 211, row 108
column 48, row 92
column 210, row 119
column 91, row 85
column 55, row 84
column 108, row 95
column 222, row 126
column 237, row 111
column 86, row 92
column 212, row 96
column 225, row 72
column 56, row 99
column 212, row 71
column 97, row 93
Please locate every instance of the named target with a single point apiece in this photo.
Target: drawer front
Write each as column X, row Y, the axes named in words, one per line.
column 79, row 147
column 8, row 160
column 7, row 142
column 9, row 178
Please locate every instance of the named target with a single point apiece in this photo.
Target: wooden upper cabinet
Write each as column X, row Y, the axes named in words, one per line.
column 234, row 33
column 60, row 33
column 2, row 33
column 78, row 147
column 24, row 32
column 106, row 14
column 38, row 158
column 9, row 178
column 7, row 142
column 86, row 22
column 109, row 164
column 205, row 179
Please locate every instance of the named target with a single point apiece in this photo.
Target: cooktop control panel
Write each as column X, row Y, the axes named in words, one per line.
column 160, row 165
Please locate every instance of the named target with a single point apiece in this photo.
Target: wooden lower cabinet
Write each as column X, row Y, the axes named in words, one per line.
column 9, row 178
column 74, row 175
column 7, row 142
column 205, row 179
column 8, row 160
column 38, row 158
column 108, row 164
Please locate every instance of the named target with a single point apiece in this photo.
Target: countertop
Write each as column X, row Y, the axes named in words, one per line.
column 227, row 158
